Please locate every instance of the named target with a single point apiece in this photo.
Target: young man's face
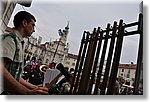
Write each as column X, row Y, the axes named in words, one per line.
column 29, row 28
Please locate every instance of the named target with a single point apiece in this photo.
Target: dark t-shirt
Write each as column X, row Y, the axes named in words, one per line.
column 35, row 78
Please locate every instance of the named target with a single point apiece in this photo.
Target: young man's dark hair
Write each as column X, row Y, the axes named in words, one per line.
column 22, row 15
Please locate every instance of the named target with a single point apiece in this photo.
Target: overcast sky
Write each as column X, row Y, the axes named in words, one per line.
column 82, row 16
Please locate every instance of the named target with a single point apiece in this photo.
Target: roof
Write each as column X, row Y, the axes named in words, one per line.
column 72, row 56
column 127, row 66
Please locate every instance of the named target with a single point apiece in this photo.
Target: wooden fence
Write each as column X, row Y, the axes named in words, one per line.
column 91, row 66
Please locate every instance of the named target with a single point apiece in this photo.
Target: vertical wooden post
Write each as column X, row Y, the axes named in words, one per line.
column 77, row 63
column 116, row 58
column 102, row 59
column 140, row 56
column 109, row 58
column 83, row 86
column 95, row 62
column 78, row 76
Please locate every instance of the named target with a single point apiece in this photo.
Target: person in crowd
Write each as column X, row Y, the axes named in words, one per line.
column 26, row 72
column 12, row 56
column 130, row 91
column 71, row 70
column 38, row 64
column 33, row 63
column 52, row 65
column 36, row 77
column 62, row 86
column 116, row 88
column 28, row 60
column 124, row 92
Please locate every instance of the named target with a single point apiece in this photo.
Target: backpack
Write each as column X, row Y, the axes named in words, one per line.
column 13, row 36
column 3, row 36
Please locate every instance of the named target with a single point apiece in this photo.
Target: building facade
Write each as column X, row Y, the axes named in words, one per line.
column 54, row 51
column 70, row 61
column 127, row 72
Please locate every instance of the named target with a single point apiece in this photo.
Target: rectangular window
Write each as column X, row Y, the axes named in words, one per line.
column 73, row 64
column 68, row 62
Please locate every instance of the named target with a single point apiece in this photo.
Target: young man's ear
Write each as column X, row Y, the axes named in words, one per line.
column 24, row 23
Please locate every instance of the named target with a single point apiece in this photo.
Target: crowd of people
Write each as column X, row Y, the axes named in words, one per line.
column 124, row 88
column 34, row 72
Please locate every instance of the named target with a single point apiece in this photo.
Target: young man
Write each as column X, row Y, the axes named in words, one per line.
column 12, row 56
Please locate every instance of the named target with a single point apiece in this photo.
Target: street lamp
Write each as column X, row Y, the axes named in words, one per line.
column 60, row 33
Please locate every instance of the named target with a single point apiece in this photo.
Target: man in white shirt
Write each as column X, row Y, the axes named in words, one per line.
column 12, row 56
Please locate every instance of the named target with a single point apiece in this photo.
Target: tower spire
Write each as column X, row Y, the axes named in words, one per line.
column 67, row 27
